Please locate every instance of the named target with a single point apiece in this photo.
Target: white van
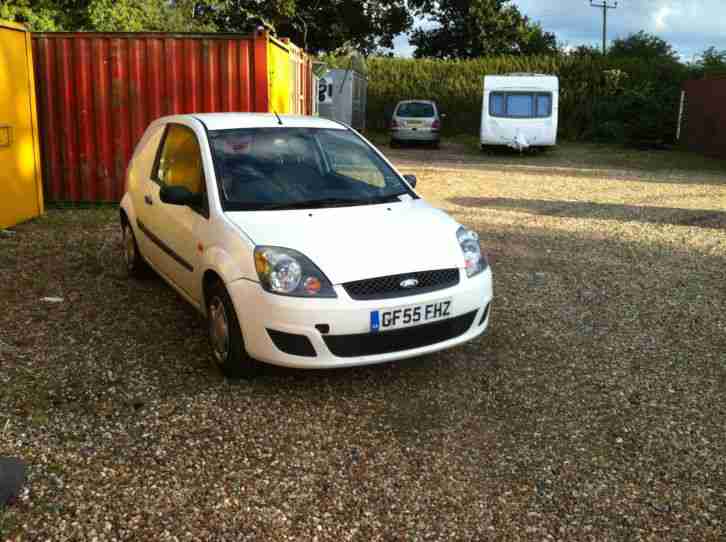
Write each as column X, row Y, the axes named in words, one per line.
column 519, row 110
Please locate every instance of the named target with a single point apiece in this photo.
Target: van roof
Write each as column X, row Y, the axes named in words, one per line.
column 417, row 102
column 227, row 121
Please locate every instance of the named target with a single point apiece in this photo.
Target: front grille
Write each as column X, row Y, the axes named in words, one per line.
column 398, row 340
column 390, row 286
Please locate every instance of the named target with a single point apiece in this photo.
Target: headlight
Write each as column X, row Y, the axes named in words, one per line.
column 474, row 261
column 287, row 272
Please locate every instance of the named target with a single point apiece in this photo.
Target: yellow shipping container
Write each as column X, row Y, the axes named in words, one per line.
column 289, row 78
column 279, row 76
column 21, row 189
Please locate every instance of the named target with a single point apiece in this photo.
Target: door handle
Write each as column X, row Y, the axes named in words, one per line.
column 148, row 200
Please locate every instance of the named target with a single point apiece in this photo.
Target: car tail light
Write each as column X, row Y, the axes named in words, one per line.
column 394, row 123
column 436, row 125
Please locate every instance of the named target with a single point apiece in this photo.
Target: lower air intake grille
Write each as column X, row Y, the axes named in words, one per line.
column 370, row 344
column 390, row 286
column 295, row 345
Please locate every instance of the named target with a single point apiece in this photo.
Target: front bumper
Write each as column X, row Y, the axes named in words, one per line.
column 348, row 323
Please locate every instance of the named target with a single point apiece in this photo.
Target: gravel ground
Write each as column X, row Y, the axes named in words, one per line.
column 593, row 409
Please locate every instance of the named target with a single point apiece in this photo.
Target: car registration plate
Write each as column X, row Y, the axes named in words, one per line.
column 414, row 123
column 413, row 315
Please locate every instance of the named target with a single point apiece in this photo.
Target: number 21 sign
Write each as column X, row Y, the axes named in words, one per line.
column 325, row 91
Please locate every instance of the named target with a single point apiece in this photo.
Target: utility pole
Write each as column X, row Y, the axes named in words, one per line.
column 605, row 5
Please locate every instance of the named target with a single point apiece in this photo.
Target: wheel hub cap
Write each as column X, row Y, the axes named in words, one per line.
column 218, row 330
column 129, row 248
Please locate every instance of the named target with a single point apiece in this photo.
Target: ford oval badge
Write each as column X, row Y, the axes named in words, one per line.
column 409, row 283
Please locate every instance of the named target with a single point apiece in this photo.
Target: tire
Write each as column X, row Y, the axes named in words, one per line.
column 436, row 145
column 134, row 262
column 225, row 336
column 393, row 144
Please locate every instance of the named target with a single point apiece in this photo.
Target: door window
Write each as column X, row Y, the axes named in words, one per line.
column 180, row 160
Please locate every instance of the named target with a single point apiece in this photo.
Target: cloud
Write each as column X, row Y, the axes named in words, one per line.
column 661, row 16
column 691, row 26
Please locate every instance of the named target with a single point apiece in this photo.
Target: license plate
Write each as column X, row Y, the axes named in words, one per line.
column 414, row 123
column 413, row 315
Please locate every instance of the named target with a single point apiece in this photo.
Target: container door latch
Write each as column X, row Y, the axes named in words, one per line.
column 6, row 135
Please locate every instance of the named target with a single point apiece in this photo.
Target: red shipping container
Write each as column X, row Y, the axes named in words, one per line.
column 705, row 116
column 97, row 93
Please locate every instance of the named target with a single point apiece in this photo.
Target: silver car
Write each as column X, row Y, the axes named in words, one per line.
column 416, row 120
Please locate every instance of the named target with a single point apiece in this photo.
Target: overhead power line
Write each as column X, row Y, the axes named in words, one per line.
column 605, row 5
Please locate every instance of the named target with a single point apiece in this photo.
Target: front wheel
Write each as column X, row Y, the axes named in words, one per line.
column 225, row 336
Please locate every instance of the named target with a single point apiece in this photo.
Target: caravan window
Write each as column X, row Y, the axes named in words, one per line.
column 520, row 105
column 496, row 105
column 544, row 105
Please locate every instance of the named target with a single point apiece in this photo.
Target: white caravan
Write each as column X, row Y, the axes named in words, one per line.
column 519, row 110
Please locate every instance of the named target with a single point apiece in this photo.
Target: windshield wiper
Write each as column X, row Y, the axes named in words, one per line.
column 307, row 204
column 393, row 198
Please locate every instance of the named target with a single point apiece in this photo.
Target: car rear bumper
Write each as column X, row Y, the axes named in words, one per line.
column 421, row 134
column 291, row 331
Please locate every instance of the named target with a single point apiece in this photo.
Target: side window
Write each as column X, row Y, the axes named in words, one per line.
column 180, row 160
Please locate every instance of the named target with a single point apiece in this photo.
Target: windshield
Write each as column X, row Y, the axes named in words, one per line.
column 278, row 168
column 415, row 110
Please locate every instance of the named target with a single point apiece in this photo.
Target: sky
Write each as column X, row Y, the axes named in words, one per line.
column 689, row 25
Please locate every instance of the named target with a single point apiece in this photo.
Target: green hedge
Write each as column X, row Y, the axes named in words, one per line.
column 601, row 98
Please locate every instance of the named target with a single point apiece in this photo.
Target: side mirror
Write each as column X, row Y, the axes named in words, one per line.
column 411, row 179
column 179, row 195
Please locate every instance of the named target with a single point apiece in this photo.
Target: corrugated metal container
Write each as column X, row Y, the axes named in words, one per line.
column 21, row 192
column 342, row 96
column 97, row 92
column 704, row 117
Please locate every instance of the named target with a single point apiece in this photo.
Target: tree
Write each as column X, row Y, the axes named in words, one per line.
column 713, row 61
column 319, row 25
column 148, row 15
column 246, row 15
column 643, row 45
column 43, row 15
column 475, row 28
column 585, row 51
column 328, row 25
column 109, row 15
